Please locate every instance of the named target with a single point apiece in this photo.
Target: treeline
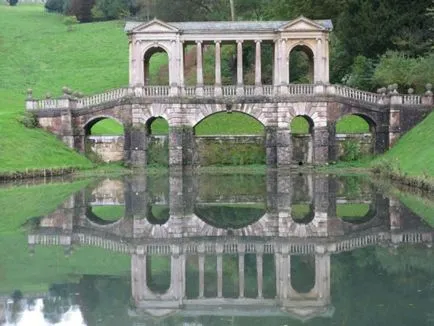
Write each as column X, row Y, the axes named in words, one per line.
column 374, row 42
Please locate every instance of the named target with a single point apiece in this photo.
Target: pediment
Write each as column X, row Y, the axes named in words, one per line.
column 302, row 24
column 155, row 26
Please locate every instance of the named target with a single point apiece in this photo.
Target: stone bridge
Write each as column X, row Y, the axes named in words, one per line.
column 274, row 105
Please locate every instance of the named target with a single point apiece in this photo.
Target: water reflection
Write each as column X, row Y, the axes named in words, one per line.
column 216, row 246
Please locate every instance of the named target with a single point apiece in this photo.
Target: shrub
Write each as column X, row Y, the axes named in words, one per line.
column 12, row 2
column 69, row 21
column 110, row 9
column 55, row 6
column 29, row 120
column 351, row 150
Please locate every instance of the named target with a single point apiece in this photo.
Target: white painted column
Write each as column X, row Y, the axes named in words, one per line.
column 240, row 82
column 199, row 69
column 130, row 63
column 182, row 65
column 276, row 66
column 258, row 69
column 218, row 70
column 201, row 275
column 259, row 273
column 219, row 275
column 317, row 62
column 241, row 274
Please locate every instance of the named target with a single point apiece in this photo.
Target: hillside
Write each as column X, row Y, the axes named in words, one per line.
column 414, row 152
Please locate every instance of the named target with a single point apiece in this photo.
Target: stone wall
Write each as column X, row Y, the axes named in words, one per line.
column 230, row 150
column 302, row 149
column 107, row 148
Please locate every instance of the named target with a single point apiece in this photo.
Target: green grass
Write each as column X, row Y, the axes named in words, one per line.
column 413, row 154
column 351, row 211
column 109, row 213
column 18, row 204
column 18, row 270
column 107, row 127
column 300, row 211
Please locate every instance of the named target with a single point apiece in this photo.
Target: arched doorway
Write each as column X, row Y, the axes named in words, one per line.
column 301, row 65
column 157, row 130
column 233, row 138
column 104, row 140
column 156, row 67
column 355, row 137
column 302, row 145
column 302, row 273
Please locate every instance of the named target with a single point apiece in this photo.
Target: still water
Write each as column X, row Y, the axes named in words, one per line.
column 272, row 249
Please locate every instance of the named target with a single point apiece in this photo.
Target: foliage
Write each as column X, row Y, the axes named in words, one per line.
column 110, row 9
column 12, row 2
column 352, row 150
column 82, row 9
column 69, row 21
column 361, row 73
column 55, row 6
column 29, row 120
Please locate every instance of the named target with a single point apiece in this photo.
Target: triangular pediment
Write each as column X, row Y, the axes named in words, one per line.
column 302, row 24
column 155, row 26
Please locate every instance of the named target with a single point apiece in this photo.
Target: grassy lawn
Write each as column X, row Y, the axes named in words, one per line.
column 351, row 211
column 109, row 213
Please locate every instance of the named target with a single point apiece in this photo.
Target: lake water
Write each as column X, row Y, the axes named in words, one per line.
column 273, row 249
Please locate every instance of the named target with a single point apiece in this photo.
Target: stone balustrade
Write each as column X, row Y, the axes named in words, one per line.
column 231, row 91
column 300, row 246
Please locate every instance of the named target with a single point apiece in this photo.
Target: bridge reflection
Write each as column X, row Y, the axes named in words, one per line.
column 187, row 257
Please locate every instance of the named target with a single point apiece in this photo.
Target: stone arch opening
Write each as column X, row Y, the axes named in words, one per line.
column 355, row 137
column 156, row 66
column 158, row 214
column 158, row 273
column 230, row 216
column 301, row 128
column 104, row 139
column 302, row 273
column 237, row 143
column 301, row 65
column 356, row 212
column 105, row 214
column 157, row 131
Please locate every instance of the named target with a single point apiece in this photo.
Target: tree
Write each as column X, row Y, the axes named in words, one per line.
column 12, row 2
column 82, row 9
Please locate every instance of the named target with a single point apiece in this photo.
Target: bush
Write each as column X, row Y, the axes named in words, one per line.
column 29, row 120
column 55, row 6
column 110, row 9
column 69, row 21
column 351, row 151
column 12, row 2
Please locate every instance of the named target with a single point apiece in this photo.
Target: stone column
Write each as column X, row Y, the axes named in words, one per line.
column 283, row 147
column 218, row 69
column 320, row 145
column 201, row 274
column 317, row 69
column 258, row 69
column 181, row 146
column 136, row 145
column 395, row 215
column 394, row 127
column 182, row 66
column 199, row 69
column 321, row 204
column 241, row 251
column 259, row 270
column 220, row 275
column 271, row 146
column 240, row 81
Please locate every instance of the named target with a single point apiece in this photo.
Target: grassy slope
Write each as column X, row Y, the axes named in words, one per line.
column 414, row 152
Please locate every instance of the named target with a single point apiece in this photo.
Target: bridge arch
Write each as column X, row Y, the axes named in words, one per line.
column 147, row 54
column 355, row 135
column 301, row 64
column 87, row 126
column 252, row 110
column 301, row 127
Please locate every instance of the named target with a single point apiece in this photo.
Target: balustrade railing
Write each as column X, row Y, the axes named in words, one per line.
column 210, row 91
column 356, row 94
column 412, row 99
column 111, row 95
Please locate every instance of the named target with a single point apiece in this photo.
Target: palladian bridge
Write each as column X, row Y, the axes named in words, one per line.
column 274, row 103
